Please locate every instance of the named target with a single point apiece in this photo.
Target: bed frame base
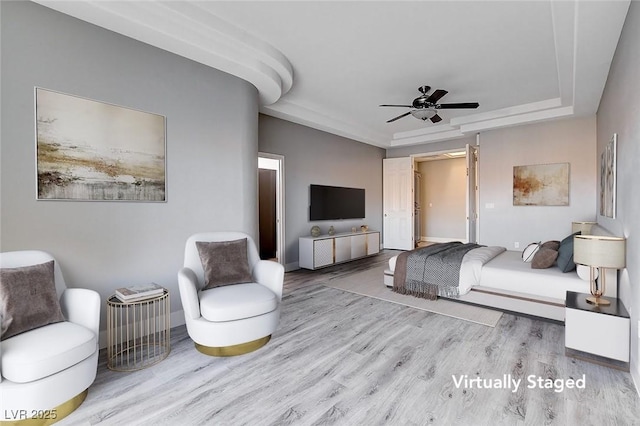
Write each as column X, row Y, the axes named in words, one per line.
column 517, row 303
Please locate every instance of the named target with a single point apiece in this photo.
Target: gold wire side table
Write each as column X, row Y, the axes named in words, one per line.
column 137, row 332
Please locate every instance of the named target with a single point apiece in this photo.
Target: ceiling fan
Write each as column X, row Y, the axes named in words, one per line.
column 425, row 106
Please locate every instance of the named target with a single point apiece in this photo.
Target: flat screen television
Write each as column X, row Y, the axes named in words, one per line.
column 335, row 202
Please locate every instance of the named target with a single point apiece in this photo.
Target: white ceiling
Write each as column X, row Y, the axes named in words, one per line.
column 329, row 64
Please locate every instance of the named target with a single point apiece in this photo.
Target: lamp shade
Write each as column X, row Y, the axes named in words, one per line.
column 600, row 251
column 583, row 227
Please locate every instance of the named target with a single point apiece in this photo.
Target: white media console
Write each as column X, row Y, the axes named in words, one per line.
column 327, row 250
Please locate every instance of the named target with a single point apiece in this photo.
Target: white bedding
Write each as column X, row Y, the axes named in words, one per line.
column 509, row 272
column 471, row 267
column 495, row 268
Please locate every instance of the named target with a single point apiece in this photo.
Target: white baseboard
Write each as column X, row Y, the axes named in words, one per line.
column 291, row 267
column 177, row 319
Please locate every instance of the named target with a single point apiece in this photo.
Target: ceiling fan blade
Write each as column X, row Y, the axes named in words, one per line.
column 459, row 105
column 435, row 96
column 436, row 119
column 400, row 116
column 403, row 106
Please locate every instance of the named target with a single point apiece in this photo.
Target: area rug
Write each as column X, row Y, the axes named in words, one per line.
column 370, row 283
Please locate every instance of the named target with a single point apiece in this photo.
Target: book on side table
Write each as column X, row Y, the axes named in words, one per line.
column 136, row 293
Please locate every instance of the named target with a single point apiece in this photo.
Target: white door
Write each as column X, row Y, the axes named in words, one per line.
column 397, row 200
column 472, row 194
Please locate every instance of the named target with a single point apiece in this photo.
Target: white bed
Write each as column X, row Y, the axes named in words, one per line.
column 506, row 282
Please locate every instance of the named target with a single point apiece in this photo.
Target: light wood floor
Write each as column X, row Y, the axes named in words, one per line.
column 344, row 359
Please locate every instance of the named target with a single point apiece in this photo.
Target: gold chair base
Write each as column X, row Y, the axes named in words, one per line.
column 47, row 417
column 598, row 301
column 242, row 348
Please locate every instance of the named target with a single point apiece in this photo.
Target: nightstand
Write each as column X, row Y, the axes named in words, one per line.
column 597, row 330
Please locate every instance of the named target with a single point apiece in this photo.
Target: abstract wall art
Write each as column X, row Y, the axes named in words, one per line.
column 94, row 151
column 541, row 185
column 608, row 178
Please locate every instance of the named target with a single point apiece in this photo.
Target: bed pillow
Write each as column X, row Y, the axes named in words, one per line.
column 544, row 258
column 224, row 262
column 530, row 251
column 565, row 254
column 552, row 244
column 28, row 299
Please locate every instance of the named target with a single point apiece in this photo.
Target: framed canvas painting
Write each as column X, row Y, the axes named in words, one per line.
column 608, row 178
column 94, row 151
column 541, row 185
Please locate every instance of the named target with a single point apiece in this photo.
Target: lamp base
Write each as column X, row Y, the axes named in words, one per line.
column 598, row 301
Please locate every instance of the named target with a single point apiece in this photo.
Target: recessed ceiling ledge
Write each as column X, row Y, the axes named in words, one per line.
column 429, row 129
column 518, row 119
column 211, row 40
column 309, row 117
column 507, row 112
column 434, row 137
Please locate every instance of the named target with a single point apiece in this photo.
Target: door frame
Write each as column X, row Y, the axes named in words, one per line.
column 280, row 217
column 472, row 193
column 471, row 209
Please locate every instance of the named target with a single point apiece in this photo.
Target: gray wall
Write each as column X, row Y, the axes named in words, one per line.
column 619, row 112
column 315, row 157
column 572, row 141
column 443, row 196
column 563, row 141
column 308, row 152
column 212, row 145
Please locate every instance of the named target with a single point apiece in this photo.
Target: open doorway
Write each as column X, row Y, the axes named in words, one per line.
column 406, row 208
column 271, row 207
column 440, row 198
column 445, row 196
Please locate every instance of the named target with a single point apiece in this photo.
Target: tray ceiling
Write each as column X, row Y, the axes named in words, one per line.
column 328, row 65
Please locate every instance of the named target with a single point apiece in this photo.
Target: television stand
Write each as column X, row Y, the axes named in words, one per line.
column 328, row 250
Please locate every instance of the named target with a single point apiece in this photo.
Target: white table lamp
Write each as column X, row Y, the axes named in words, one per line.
column 601, row 252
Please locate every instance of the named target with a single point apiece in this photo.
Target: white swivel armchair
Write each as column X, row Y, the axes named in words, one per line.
column 231, row 319
column 46, row 372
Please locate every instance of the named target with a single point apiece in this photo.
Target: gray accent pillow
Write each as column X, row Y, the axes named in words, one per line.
column 224, row 262
column 565, row 254
column 544, row 258
column 28, row 299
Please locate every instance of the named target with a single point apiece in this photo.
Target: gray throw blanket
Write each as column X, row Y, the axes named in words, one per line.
column 431, row 271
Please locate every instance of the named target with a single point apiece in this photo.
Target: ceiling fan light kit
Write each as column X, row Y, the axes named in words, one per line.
column 424, row 106
column 423, row 114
